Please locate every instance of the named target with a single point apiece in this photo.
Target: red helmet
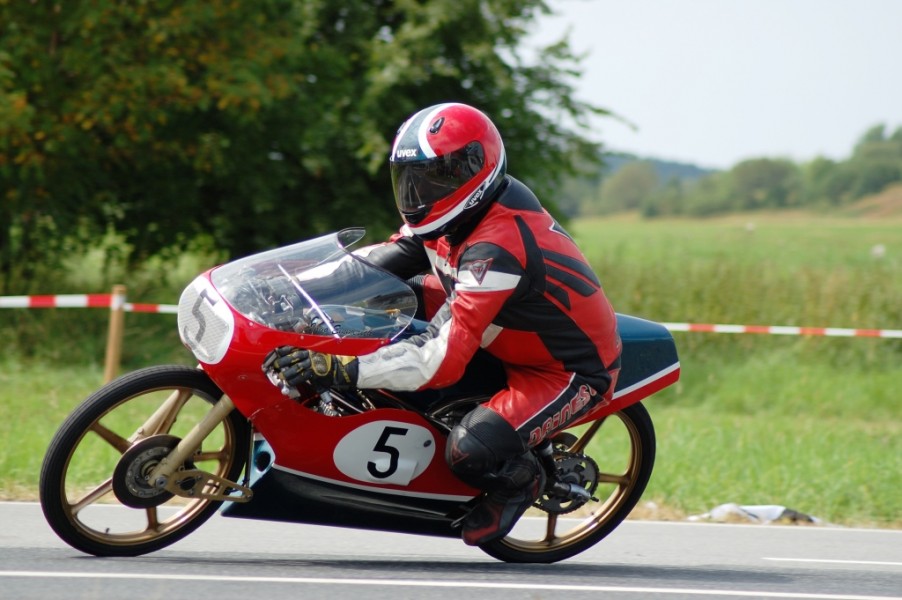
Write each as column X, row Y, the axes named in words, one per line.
column 446, row 162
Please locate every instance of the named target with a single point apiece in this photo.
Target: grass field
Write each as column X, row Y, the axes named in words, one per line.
column 810, row 423
column 814, row 424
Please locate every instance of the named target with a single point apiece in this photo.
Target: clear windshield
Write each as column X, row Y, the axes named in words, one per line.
column 317, row 287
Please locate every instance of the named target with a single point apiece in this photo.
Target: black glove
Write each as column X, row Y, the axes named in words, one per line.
column 293, row 367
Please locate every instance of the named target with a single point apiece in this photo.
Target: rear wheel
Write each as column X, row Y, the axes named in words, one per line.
column 94, row 489
column 613, row 459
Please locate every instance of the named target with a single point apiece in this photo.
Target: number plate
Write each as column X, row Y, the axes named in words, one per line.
column 205, row 322
column 385, row 452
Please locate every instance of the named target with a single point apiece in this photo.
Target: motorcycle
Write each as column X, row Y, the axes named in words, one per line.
column 173, row 444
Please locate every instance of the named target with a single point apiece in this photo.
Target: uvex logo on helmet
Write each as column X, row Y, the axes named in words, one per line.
column 461, row 164
column 474, row 199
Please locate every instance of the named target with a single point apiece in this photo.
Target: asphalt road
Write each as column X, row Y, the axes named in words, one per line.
column 232, row 558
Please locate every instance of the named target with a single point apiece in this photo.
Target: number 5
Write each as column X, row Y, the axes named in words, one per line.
column 393, row 454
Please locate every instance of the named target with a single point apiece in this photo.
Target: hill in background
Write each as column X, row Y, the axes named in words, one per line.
column 666, row 170
column 578, row 192
column 887, row 203
column 866, row 183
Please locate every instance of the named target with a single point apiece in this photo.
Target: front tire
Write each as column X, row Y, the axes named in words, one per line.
column 623, row 447
column 82, row 477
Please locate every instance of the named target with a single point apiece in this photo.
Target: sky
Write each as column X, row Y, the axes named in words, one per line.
column 715, row 82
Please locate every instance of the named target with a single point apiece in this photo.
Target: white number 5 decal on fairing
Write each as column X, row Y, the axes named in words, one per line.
column 385, row 452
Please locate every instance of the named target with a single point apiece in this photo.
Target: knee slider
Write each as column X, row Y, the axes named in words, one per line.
column 468, row 457
column 480, row 445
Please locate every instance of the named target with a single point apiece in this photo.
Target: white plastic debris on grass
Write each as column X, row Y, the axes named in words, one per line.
column 759, row 513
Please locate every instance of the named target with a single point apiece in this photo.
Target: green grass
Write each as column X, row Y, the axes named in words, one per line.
column 35, row 400
column 810, row 423
column 781, row 428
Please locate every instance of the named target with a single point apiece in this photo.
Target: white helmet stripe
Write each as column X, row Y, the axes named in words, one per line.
column 400, row 135
column 425, row 124
column 459, row 208
column 429, row 228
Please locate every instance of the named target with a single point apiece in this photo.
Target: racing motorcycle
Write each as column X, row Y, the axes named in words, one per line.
column 173, row 444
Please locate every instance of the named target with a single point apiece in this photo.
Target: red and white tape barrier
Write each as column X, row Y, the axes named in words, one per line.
column 84, row 301
column 114, row 301
column 782, row 330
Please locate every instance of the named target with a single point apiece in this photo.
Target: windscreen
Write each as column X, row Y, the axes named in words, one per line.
column 317, row 287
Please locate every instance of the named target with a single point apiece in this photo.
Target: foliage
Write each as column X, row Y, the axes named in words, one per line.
column 755, row 184
column 583, row 194
column 257, row 123
column 627, row 189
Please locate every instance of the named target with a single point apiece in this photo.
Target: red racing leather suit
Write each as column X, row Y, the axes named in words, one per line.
column 516, row 285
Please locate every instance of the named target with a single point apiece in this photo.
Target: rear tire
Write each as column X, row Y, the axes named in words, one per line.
column 80, row 472
column 624, row 470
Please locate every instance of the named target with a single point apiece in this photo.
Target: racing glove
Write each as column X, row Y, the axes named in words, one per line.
column 290, row 367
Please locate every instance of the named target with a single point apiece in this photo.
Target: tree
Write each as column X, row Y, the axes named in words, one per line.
column 875, row 163
column 765, row 183
column 258, row 123
column 708, row 196
column 628, row 188
column 826, row 182
column 666, row 200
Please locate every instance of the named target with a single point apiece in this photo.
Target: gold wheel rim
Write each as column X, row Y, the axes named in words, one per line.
column 559, row 532
column 143, row 525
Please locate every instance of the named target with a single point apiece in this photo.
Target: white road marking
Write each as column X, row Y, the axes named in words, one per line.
column 838, row 562
column 438, row 584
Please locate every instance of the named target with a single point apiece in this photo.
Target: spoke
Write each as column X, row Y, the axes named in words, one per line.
column 153, row 520
column 93, row 496
column 583, row 441
column 111, row 437
column 218, row 455
column 162, row 419
column 550, row 527
column 612, row 478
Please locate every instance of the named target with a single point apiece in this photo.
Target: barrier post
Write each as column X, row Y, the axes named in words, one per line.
column 115, row 333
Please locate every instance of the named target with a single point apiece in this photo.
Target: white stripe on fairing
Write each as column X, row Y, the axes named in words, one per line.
column 647, row 380
column 370, row 488
column 619, row 393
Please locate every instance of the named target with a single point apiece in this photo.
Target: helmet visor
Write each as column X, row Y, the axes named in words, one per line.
column 420, row 184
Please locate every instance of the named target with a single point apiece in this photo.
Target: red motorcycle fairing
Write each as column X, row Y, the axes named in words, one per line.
column 385, row 466
column 387, row 451
column 316, row 296
column 298, row 435
column 383, row 469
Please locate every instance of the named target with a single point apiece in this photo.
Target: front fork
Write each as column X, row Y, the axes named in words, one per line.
column 194, row 483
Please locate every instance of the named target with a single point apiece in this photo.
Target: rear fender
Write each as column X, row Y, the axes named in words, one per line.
column 649, row 363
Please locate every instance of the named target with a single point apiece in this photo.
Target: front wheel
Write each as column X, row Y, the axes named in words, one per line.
column 93, row 485
column 612, row 458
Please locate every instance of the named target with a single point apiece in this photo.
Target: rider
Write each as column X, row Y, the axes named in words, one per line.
column 512, row 282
